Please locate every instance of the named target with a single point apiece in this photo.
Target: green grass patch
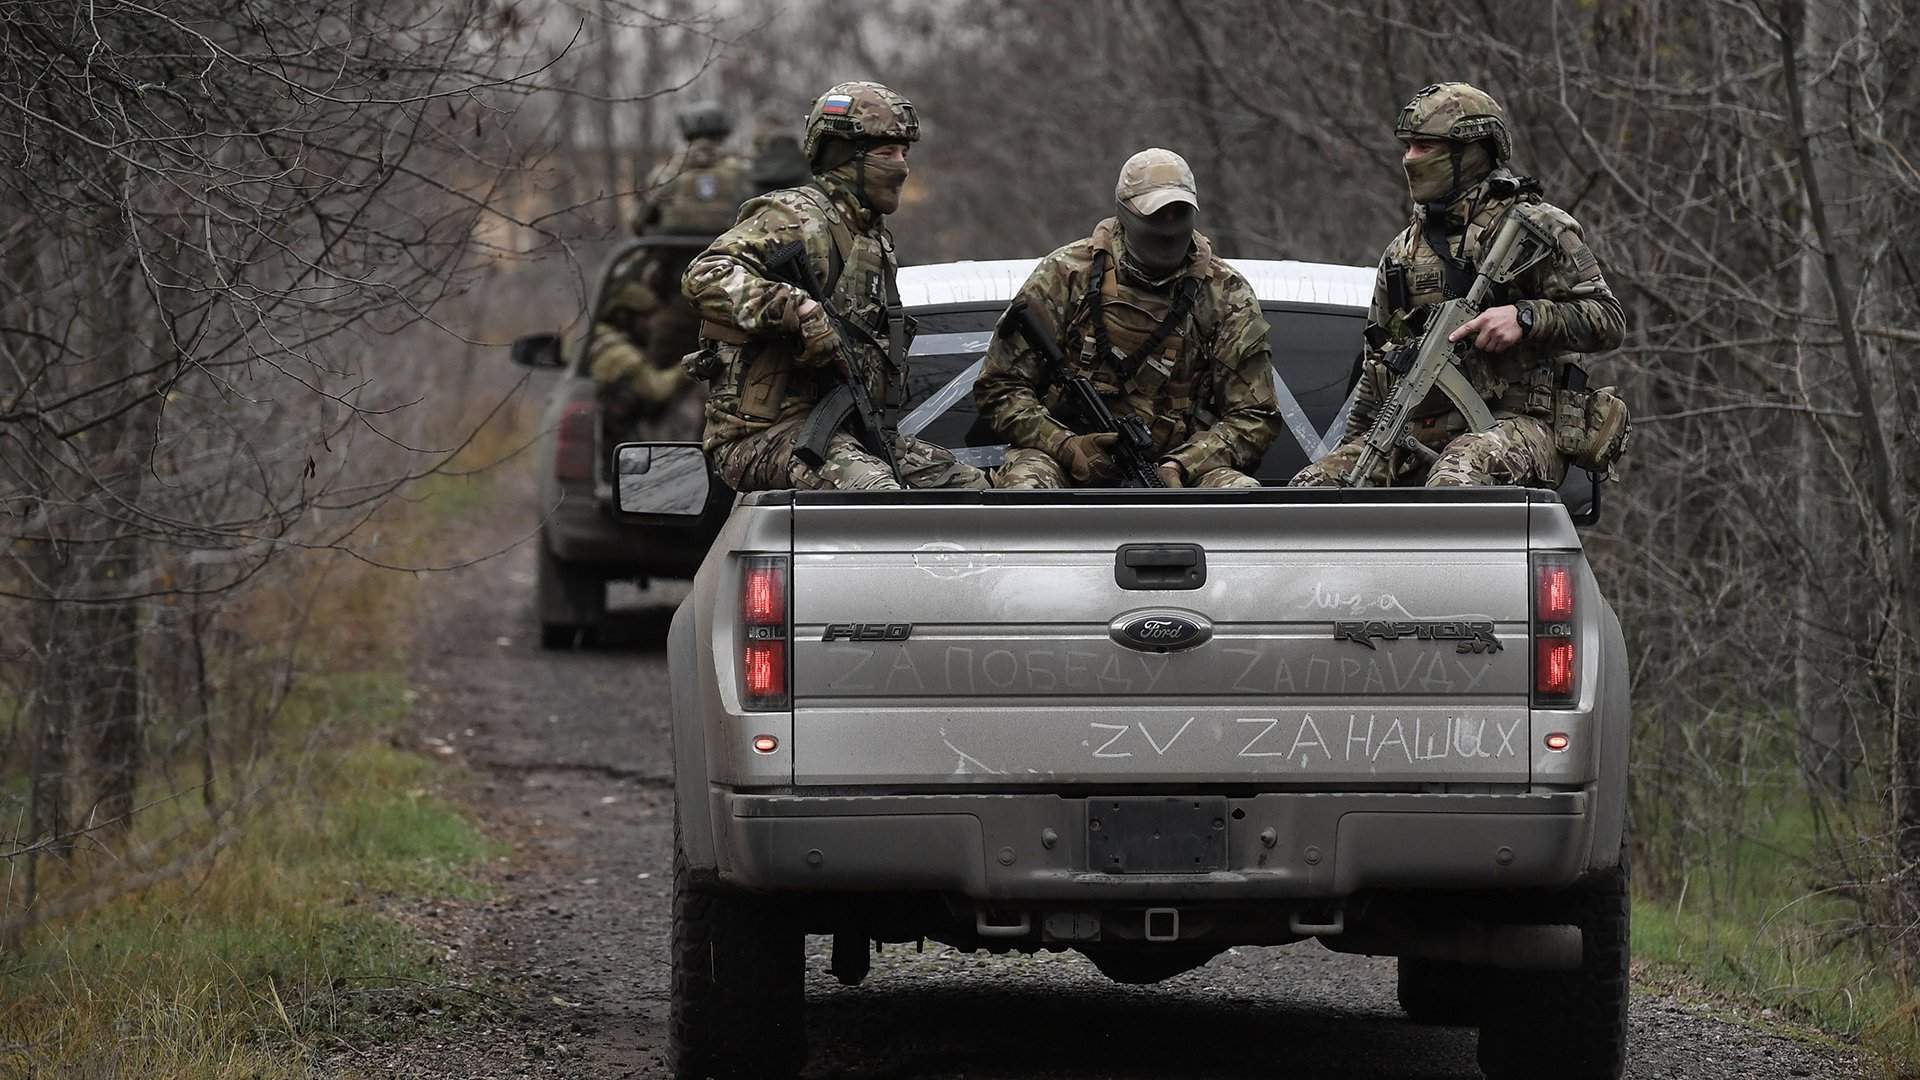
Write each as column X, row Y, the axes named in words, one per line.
column 285, row 944
column 1753, row 924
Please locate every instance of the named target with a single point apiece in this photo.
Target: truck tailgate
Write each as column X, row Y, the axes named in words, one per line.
column 992, row 640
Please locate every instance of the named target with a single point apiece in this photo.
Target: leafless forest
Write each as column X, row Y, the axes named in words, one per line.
column 255, row 264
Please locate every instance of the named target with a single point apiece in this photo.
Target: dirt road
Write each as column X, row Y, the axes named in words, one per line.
column 571, row 751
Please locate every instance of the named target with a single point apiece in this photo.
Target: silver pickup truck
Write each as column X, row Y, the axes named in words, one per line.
column 1147, row 726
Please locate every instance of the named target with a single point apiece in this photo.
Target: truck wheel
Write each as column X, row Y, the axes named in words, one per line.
column 571, row 601
column 739, row 983
column 1433, row 992
column 1569, row 1024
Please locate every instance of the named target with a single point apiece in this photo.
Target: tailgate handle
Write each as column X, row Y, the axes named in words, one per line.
column 1160, row 566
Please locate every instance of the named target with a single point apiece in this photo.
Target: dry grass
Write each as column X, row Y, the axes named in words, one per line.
column 283, row 942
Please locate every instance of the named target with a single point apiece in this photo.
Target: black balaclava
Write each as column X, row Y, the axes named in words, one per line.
column 1155, row 245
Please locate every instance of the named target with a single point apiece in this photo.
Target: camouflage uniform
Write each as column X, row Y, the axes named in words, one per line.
column 643, row 326
column 763, row 382
column 1573, row 311
column 1205, row 392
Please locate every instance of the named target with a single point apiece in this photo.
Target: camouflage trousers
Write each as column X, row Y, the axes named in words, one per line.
column 1026, row 467
column 765, row 461
column 1517, row 449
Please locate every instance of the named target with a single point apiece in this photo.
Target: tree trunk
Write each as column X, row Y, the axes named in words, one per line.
column 1821, row 665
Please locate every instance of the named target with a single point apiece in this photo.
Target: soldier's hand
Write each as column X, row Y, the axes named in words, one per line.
column 1493, row 330
column 1088, row 458
column 1170, row 474
column 816, row 334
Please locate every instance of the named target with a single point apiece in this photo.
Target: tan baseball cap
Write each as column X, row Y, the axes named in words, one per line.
column 1153, row 178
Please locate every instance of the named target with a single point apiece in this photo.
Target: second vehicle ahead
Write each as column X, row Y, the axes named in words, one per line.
column 583, row 545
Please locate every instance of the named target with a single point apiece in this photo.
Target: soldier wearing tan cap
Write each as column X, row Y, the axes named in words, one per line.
column 1165, row 331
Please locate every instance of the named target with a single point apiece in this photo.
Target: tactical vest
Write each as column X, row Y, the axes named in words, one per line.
column 1157, row 362
column 702, row 194
column 1427, row 265
column 858, row 270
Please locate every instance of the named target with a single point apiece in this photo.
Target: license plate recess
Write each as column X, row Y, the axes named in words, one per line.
column 1156, row 834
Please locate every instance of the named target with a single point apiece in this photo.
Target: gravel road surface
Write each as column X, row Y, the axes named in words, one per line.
column 570, row 754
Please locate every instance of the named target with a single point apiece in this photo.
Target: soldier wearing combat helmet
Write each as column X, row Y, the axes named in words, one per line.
column 643, row 327
column 771, row 352
column 1524, row 345
column 1163, row 329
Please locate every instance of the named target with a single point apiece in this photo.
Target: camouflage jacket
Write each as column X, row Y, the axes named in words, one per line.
column 751, row 324
column 1206, row 393
column 1574, row 311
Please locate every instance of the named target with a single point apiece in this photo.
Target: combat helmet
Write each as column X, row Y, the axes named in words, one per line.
column 1458, row 112
column 705, row 120
column 860, row 112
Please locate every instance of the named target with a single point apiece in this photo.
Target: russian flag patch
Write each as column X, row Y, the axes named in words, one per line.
column 836, row 105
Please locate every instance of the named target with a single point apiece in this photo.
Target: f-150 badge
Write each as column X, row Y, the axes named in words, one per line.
column 1474, row 637
column 867, row 631
column 1160, row 630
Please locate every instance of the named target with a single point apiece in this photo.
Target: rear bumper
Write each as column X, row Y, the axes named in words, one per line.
column 1033, row 848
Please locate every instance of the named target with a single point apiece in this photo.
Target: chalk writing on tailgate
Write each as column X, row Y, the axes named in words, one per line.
column 1159, row 642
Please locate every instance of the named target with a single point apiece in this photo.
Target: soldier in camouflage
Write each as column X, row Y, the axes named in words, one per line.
column 769, row 350
column 642, row 326
column 1163, row 328
column 1456, row 145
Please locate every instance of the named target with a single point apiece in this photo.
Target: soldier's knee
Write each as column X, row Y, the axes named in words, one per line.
column 1323, row 473
column 849, row 467
column 1025, row 467
column 1224, row 477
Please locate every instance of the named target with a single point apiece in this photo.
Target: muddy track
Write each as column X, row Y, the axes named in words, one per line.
column 570, row 753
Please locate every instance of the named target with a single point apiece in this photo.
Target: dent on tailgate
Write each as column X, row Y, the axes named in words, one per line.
column 1327, row 644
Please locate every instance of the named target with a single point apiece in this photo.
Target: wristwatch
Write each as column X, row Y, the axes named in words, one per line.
column 1523, row 314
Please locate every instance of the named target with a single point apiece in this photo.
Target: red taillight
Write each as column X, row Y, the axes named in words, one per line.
column 763, row 595
column 1556, row 631
column 1553, row 599
column 763, row 632
column 1553, row 670
column 765, row 666
column 573, row 442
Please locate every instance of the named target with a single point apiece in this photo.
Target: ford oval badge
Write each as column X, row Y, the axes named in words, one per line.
column 1160, row 630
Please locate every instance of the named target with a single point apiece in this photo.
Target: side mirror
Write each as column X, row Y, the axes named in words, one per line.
column 538, row 351
column 661, row 483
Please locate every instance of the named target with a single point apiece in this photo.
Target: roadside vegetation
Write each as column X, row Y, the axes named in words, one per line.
column 272, row 927
column 1746, row 901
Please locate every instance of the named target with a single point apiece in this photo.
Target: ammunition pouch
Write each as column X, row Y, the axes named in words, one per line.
column 1591, row 427
column 763, row 383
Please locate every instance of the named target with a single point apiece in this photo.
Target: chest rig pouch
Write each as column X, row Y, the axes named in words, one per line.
column 1154, row 379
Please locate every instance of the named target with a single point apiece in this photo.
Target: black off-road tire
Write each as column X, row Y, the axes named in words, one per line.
column 1571, row 1025
column 739, row 983
column 1434, row 992
column 571, row 601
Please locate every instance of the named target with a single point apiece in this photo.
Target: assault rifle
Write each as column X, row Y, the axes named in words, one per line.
column 788, row 263
column 1517, row 246
column 1134, row 449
